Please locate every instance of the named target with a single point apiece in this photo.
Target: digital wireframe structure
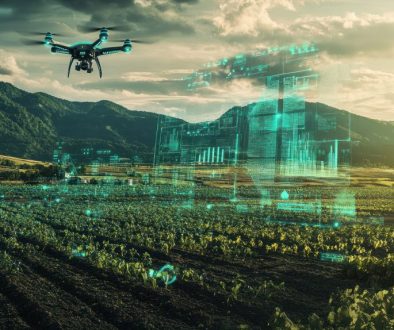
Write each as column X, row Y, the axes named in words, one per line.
column 283, row 142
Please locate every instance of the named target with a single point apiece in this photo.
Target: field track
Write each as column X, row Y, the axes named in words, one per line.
column 43, row 285
column 83, row 296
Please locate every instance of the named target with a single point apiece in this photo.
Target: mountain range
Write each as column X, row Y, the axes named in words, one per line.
column 32, row 123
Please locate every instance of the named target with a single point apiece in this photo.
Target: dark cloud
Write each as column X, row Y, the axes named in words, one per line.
column 94, row 6
column 27, row 16
column 189, row 2
column 6, row 72
column 21, row 6
column 150, row 20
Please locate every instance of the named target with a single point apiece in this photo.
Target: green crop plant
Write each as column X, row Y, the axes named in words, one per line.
column 351, row 309
column 269, row 288
column 7, row 264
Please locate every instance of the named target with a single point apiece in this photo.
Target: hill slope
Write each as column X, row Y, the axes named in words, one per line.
column 32, row 123
column 373, row 140
column 21, row 161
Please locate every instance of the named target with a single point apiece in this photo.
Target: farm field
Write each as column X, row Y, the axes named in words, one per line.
column 89, row 256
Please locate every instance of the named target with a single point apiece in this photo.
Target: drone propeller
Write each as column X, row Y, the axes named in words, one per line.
column 89, row 29
column 30, row 42
column 135, row 41
column 45, row 33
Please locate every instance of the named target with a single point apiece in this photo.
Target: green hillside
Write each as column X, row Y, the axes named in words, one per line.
column 372, row 140
column 32, row 123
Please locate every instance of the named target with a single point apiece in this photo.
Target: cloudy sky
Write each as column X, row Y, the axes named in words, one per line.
column 355, row 39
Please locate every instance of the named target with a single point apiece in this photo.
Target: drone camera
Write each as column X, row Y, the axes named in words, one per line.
column 84, row 65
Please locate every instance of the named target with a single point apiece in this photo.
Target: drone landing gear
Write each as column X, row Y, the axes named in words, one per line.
column 69, row 66
column 78, row 67
column 89, row 70
column 99, row 66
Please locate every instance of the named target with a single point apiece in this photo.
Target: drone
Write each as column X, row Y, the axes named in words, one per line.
column 86, row 52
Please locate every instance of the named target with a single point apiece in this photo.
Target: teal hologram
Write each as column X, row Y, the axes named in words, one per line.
column 277, row 140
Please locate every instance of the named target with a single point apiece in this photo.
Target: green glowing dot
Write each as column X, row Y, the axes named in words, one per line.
column 284, row 195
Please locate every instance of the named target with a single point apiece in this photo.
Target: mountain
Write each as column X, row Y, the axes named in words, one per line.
column 32, row 123
column 372, row 140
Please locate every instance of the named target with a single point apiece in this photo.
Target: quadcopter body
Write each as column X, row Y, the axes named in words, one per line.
column 85, row 53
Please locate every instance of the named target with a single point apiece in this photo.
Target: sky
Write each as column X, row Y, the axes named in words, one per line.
column 354, row 38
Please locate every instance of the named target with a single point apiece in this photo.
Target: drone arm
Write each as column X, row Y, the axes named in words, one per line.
column 99, row 66
column 97, row 43
column 69, row 66
column 109, row 50
column 61, row 49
